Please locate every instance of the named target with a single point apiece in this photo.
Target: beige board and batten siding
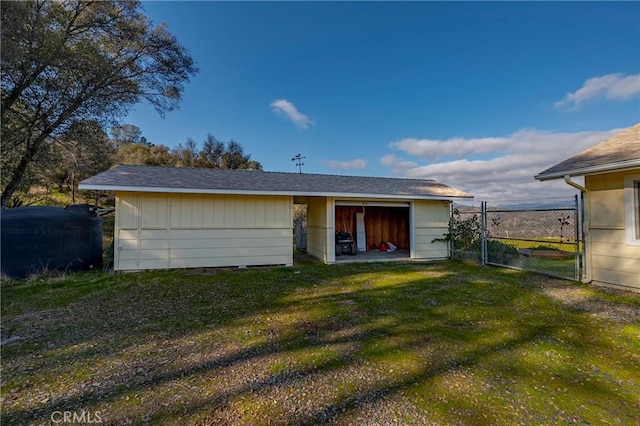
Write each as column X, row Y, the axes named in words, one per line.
column 192, row 230
column 613, row 261
column 430, row 221
column 320, row 232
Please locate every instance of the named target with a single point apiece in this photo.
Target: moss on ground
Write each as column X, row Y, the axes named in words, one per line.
column 449, row 342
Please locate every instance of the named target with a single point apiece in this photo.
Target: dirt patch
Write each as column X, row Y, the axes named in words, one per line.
column 356, row 344
column 582, row 299
column 551, row 254
column 302, row 258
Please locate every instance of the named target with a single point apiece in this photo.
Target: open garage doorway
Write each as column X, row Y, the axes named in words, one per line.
column 380, row 231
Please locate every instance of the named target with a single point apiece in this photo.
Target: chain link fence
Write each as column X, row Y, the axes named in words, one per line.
column 541, row 236
column 108, row 229
column 300, row 227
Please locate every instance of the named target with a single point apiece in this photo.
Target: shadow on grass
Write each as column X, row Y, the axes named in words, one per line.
column 428, row 320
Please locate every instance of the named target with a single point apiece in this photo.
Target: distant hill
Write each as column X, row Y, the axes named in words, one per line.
column 536, row 220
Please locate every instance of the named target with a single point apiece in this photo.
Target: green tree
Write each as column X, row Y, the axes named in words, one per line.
column 234, row 158
column 214, row 154
column 126, row 133
column 72, row 60
column 149, row 155
column 83, row 151
column 211, row 153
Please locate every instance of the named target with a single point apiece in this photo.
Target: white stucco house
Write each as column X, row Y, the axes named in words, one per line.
column 611, row 191
column 170, row 217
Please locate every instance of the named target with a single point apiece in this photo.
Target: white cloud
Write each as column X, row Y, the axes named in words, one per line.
column 356, row 164
column 397, row 165
column 287, row 109
column 455, row 147
column 611, row 86
column 508, row 174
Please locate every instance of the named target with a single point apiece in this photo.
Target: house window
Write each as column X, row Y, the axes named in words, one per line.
column 632, row 208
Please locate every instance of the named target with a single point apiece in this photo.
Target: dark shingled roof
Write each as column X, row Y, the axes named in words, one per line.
column 199, row 180
column 622, row 150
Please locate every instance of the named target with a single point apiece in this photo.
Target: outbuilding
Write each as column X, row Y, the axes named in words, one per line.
column 169, row 217
column 611, row 194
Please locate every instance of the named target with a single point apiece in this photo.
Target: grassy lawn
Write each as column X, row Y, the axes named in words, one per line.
column 556, row 267
column 551, row 243
column 560, row 267
column 443, row 343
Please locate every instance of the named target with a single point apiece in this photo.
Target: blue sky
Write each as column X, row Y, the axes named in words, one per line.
column 477, row 95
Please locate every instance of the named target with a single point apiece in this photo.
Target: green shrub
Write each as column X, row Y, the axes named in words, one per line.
column 545, row 247
column 464, row 234
column 500, row 253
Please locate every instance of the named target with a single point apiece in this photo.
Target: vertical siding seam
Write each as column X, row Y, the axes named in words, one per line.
column 412, row 230
column 330, row 229
column 116, row 234
column 168, row 230
column 136, row 197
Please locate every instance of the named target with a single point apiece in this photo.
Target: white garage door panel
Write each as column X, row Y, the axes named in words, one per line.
column 191, row 230
column 126, row 255
column 127, row 234
column 154, row 212
column 127, row 245
column 154, row 244
column 238, row 252
column 153, row 264
column 239, row 233
column 229, row 261
column 128, row 265
column 426, row 233
column 159, row 234
column 229, row 243
column 154, row 254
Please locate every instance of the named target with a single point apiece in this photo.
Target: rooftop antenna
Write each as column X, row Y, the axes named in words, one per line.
column 298, row 159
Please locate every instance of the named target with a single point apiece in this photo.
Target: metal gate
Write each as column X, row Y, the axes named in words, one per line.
column 543, row 236
column 539, row 237
column 300, row 227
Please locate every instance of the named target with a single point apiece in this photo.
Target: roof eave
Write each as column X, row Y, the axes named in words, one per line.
column 620, row 166
column 98, row 187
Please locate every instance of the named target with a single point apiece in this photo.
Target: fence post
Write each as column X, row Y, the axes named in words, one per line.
column 450, row 246
column 576, row 236
column 483, row 233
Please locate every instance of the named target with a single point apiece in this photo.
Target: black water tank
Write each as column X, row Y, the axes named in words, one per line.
column 52, row 238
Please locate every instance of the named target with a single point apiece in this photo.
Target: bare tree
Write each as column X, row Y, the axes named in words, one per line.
column 186, row 155
column 149, row 155
column 67, row 61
